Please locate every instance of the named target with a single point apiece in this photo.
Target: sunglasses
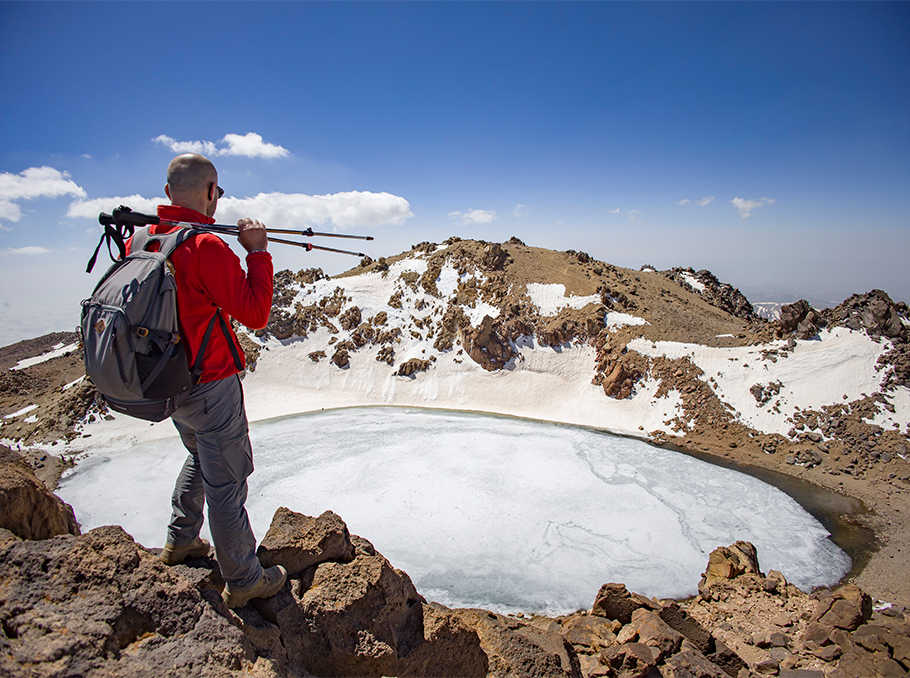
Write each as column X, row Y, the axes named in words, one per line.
column 220, row 192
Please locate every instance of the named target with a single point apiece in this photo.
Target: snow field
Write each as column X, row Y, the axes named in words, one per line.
column 839, row 367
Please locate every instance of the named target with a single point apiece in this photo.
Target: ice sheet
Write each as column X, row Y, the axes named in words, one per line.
column 495, row 512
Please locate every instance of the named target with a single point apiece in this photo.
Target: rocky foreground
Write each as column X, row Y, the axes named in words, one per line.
column 99, row 605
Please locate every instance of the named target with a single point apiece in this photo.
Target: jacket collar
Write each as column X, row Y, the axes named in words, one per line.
column 177, row 213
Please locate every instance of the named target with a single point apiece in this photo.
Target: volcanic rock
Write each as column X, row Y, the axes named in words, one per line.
column 800, row 318
column 632, row 660
column 515, row 648
column 27, row 508
column 486, row 347
column 412, row 366
column 729, row 562
column 99, row 605
column 614, row 601
column 846, row 608
column 298, row 542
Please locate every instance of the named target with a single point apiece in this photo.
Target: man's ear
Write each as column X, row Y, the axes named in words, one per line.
column 167, row 191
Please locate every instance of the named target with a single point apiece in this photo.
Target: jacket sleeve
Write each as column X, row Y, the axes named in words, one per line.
column 245, row 296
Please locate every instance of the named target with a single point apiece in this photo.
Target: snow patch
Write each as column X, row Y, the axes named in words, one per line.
column 57, row 351
column 615, row 320
column 68, row 386
column 692, row 281
column 477, row 313
column 19, row 413
column 551, row 298
column 816, row 373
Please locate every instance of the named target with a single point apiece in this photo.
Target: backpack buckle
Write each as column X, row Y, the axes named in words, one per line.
column 142, row 332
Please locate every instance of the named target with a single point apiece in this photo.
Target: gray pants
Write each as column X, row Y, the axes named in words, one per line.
column 213, row 427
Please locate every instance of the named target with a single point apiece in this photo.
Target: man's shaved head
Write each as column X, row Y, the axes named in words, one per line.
column 191, row 172
column 191, row 182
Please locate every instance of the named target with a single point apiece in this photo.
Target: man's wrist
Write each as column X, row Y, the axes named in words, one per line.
column 255, row 251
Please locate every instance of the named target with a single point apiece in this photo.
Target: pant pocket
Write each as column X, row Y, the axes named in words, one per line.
column 237, row 454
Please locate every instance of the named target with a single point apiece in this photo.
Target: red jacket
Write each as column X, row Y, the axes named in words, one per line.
column 209, row 276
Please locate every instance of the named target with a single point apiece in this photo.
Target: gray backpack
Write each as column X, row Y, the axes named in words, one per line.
column 131, row 335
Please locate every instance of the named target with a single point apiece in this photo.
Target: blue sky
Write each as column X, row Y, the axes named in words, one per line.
column 766, row 142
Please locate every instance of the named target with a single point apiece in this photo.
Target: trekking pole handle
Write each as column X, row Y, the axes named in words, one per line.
column 124, row 215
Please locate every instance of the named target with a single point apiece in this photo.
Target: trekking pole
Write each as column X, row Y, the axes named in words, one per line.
column 232, row 230
column 120, row 225
column 308, row 232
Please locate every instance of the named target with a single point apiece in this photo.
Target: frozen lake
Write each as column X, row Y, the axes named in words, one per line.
column 487, row 511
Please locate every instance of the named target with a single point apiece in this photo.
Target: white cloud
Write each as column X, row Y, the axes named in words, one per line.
column 278, row 210
column 632, row 214
column 702, row 202
column 295, row 210
column 35, row 182
column 521, row 211
column 745, row 207
column 10, row 251
column 249, row 145
column 89, row 209
column 474, row 217
column 9, row 210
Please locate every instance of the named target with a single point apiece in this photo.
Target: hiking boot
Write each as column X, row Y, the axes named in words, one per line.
column 268, row 585
column 174, row 555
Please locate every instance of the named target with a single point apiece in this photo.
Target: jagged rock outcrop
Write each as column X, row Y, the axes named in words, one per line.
column 98, row 605
column 616, row 369
column 876, row 314
column 487, row 347
column 298, row 542
column 27, row 508
column 517, row 648
column 728, row 562
column 721, row 295
column 412, row 366
column 358, row 616
column 799, row 318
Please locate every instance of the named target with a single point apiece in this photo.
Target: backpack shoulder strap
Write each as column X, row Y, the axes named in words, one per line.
column 141, row 239
column 167, row 242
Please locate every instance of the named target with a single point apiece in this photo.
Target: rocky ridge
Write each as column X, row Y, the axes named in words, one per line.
column 99, row 605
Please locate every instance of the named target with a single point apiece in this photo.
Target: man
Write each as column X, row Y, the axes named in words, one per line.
column 212, row 423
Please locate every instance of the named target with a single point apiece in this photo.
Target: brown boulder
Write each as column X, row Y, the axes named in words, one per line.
column 486, row 347
column 589, row 631
column 360, row 618
column 298, row 542
column 614, row 601
column 632, row 660
column 846, row 608
column 97, row 605
column 341, row 358
column 729, row 562
column 412, row 366
column 515, row 648
column 27, row 508
column 656, row 633
column 691, row 665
